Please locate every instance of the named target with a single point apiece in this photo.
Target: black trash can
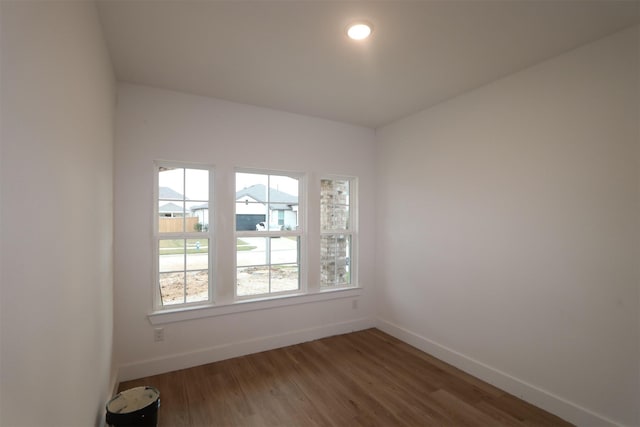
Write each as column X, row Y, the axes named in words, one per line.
column 134, row 407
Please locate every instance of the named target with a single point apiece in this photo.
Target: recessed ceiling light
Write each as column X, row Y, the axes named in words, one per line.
column 359, row 30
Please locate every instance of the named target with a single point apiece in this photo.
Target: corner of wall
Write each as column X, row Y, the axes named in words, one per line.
column 565, row 409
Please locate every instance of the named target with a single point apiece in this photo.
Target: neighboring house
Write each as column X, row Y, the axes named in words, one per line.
column 202, row 212
column 169, row 193
column 170, row 210
column 253, row 206
column 174, row 205
column 252, row 209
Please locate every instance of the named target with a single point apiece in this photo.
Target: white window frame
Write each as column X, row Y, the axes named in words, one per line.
column 222, row 284
column 157, row 236
column 299, row 232
column 352, row 232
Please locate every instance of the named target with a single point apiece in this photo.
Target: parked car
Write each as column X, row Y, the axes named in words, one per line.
column 262, row 226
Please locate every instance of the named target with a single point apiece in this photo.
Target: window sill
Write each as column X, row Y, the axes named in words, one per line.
column 199, row 312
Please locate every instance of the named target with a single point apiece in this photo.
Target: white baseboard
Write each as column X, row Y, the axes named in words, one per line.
column 216, row 353
column 543, row 399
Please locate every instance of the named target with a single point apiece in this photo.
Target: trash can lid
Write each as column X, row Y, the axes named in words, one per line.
column 133, row 399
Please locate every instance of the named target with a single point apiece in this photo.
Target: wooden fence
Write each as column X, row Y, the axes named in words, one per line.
column 174, row 225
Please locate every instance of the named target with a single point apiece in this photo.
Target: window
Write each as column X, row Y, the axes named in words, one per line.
column 337, row 233
column 268, row 234
column 265, row 256
column 183, row 236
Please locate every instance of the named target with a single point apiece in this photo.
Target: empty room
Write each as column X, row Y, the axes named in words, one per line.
column 320, row 212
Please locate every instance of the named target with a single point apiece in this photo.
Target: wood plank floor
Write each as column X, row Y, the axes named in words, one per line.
column 365, row 378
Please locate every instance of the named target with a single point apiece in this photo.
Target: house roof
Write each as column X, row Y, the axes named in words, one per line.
column 170, row 208
column 169, row 193
column 278, row 199
column 200, row 207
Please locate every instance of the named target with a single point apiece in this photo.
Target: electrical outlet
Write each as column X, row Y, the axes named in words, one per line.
column 158, row 334
column 354, row 304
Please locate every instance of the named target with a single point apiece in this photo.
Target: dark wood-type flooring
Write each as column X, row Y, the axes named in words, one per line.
column 363, row 378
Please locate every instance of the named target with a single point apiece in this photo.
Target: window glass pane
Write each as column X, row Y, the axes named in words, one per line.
column 284, row 278
column 197, row 286
column 252, row 280
column 170, row 216
column 251, row 251
column 254, row 184
column 196, row 184
column 171, row 183
column 251, row 202
column 176, row 215
column 172, row 288
column 283, row 202
column 334, row 204
column 335, row 253
column 250, row 216
column 197, row 254
column 335, row 218
column 344, row 190
column 171, row 255
column 197, row 217
column 284, row 250
column 285, row 184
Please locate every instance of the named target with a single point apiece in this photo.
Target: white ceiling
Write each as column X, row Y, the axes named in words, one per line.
column 294, row 55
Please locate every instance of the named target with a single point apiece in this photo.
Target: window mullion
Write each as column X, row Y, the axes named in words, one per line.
column 268, row 255
column 184, row 287
column 184, row 211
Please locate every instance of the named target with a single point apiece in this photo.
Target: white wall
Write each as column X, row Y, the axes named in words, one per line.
column 508, row 231
column 157, row 124
column 56, row 324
